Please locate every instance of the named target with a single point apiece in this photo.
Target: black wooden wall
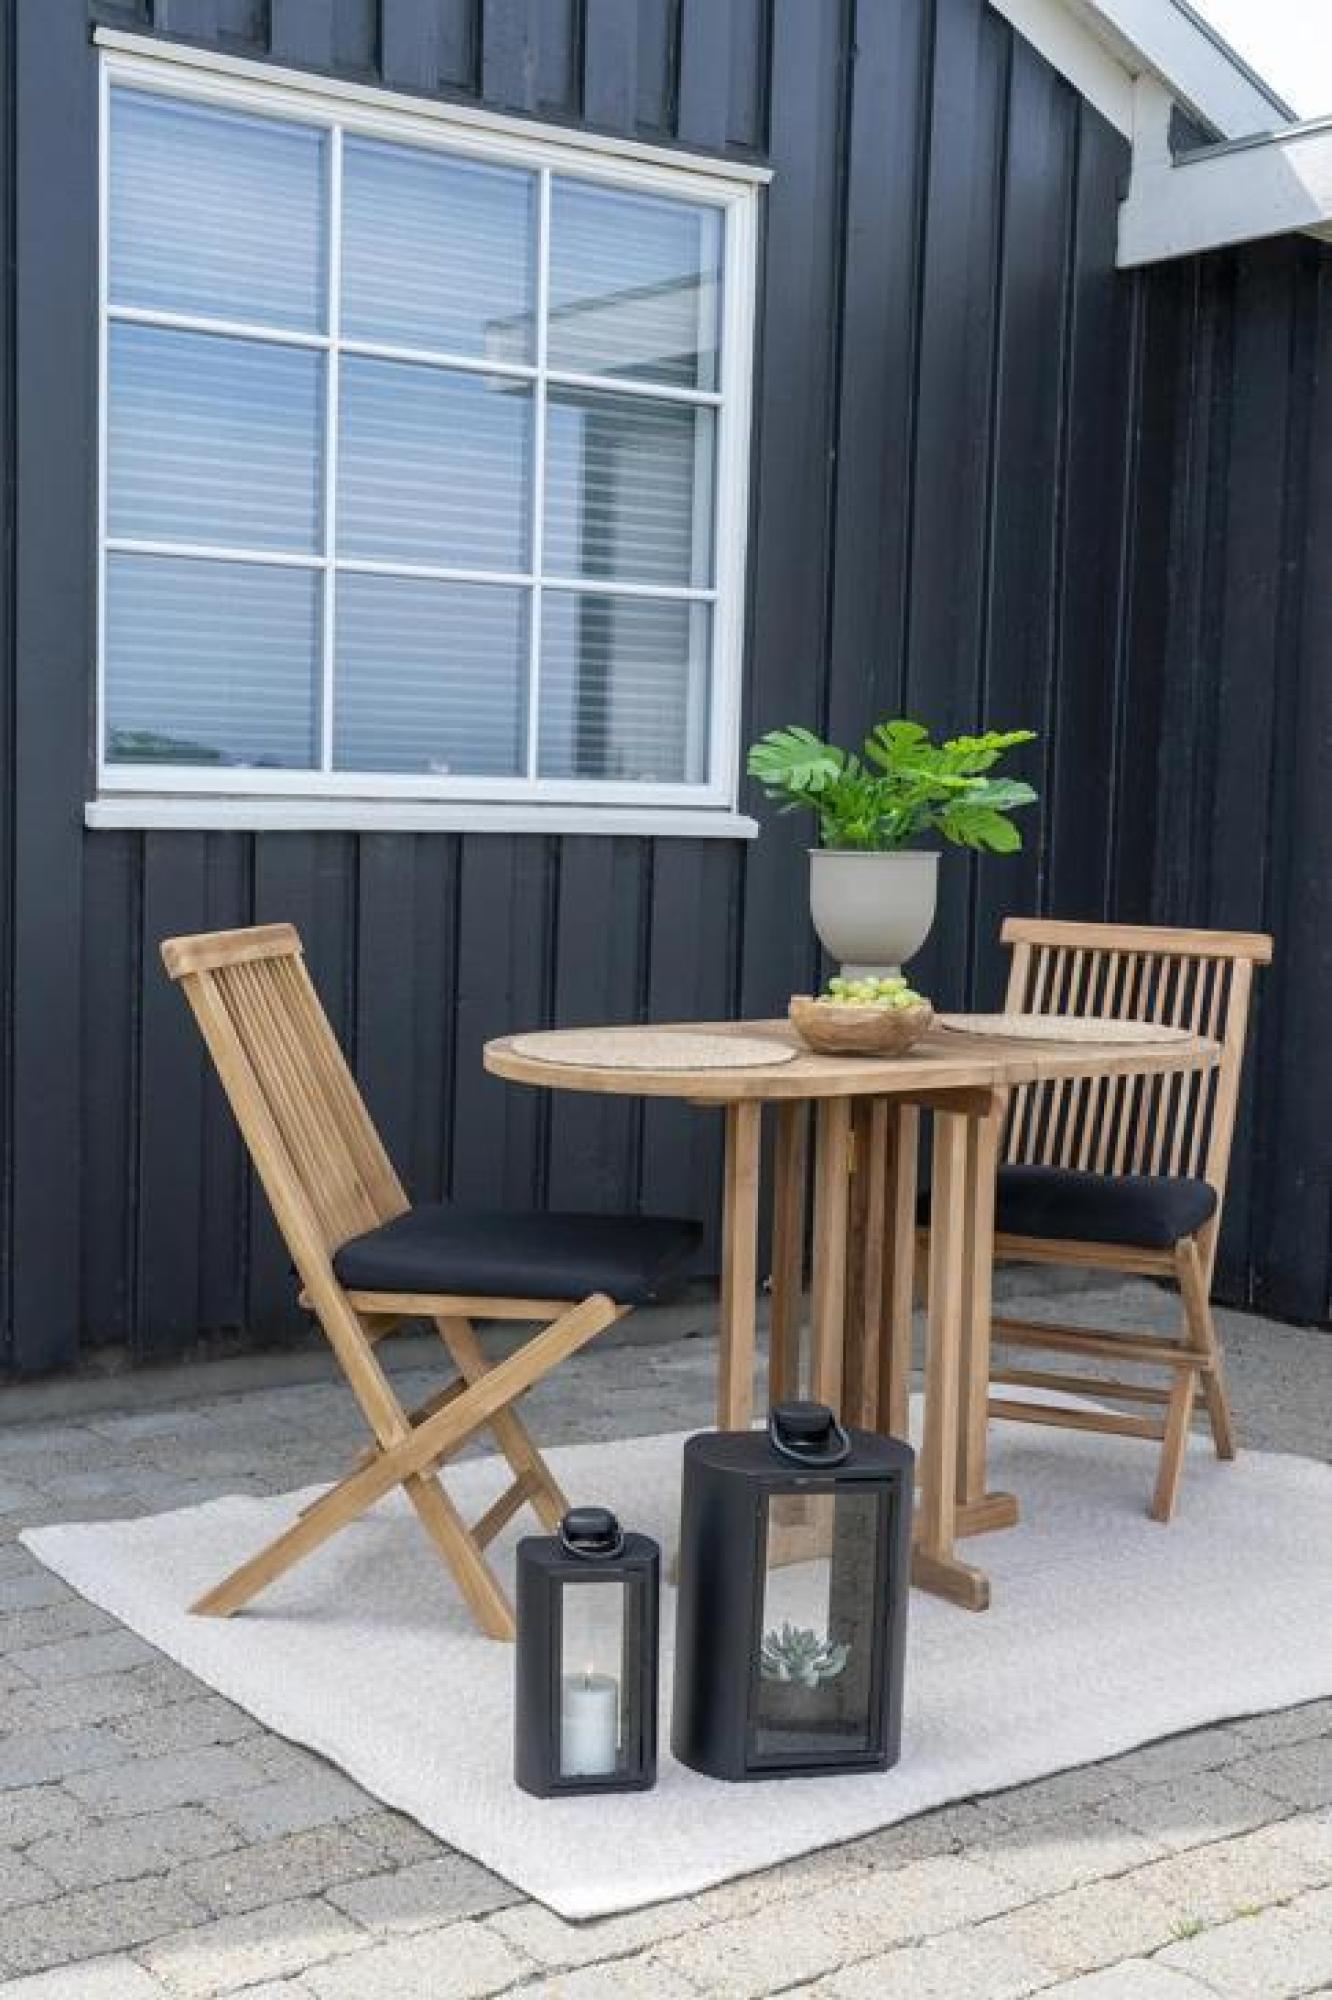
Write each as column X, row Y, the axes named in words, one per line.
column 963, row 434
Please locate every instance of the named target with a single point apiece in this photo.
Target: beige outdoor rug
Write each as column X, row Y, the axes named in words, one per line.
column 1107, row 1631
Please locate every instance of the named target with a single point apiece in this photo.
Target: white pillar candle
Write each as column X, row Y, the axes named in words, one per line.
column 589, row 1725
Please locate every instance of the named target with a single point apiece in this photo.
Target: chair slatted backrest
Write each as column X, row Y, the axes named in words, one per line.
column 303, row 1119
column 1180, row 1122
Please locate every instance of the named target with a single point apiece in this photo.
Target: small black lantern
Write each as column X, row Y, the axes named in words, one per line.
column 585, row 1714
column 795, row 1562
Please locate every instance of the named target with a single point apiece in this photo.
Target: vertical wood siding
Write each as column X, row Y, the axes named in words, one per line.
column 948, row 492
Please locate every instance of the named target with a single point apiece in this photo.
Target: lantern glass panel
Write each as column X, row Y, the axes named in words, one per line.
column 594, row 1678
column 814, row 1690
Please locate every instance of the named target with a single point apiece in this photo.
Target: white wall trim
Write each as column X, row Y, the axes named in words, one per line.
column 1202, row 72
column 256, row 815
column 1072, row 47
column 462, row 119
column 1238, row 193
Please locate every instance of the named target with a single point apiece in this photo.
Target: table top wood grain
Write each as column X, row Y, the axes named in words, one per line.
column 944, row 1061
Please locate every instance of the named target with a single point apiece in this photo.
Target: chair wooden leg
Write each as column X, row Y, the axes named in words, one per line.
column 1202, row 1334
column 451, row 1536
column 511, row 1433
column 1179, row 1415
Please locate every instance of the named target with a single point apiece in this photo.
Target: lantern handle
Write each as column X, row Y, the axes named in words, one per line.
column 797, row 1431
column 592, row 1534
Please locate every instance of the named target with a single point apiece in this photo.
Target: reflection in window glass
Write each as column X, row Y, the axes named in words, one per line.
column 635, row 285
column 212, row 663
column 628, row 488
column 624, row 689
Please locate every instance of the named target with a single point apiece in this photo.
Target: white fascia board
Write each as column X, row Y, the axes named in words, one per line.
column 1202, row 72
column 1069, row 44
column 1236, row 193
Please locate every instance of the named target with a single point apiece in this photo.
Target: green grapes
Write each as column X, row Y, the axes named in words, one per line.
column 893, row 993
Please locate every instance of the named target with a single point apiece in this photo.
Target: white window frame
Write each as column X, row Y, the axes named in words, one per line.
column 178, row 795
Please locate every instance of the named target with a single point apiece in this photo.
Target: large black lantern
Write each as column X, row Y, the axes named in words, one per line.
column 585, row 1716
column 795, row 1557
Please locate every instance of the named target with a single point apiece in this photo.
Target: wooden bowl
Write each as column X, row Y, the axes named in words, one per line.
column 833, row 1030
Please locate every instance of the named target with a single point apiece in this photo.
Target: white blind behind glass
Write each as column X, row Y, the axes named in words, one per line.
column 624, row 689
column 635, row 285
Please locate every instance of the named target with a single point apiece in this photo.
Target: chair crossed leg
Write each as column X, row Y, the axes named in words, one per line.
column 411, row 1446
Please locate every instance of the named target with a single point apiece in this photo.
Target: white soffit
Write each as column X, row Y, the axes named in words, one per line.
column 1273, row 185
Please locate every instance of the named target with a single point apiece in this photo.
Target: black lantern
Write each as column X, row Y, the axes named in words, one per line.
column 795, row 1560
column 585, row 1714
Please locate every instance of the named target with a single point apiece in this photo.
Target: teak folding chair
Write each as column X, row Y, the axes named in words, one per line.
column 1126, row 1173
column 367, row 1260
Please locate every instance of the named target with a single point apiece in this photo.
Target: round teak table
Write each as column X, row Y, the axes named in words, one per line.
column 866, row 1128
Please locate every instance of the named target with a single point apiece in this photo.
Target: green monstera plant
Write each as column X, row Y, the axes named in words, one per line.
column 899, row 786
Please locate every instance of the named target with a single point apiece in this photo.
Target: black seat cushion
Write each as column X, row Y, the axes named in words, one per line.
column 487, row 1253
column 1143, row 1211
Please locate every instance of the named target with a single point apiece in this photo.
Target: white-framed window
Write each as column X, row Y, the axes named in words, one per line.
column 424, row 453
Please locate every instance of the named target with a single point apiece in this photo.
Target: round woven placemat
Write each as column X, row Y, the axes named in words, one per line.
column 1062, row 1028
column 645, row 1048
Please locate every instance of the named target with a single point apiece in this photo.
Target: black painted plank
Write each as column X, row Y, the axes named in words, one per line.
column 530, row 56
column 240, row 25
column 7, row 657
column 954, row 437
column 879, row 334
column 222, row 1194
column 507, row 902
column 429, row 45
column 610, row 63
column 1079, row 783
column 705, row 73
column 694, row 935
column 752, row 69
column 1032, row 416
column 436, row 964
column 55, row 159
column 792, row 544
column 170, row 1078
column 109, row 1153
column 303, row 32
column 600, row 973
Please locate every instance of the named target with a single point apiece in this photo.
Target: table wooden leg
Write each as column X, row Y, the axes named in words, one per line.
column 978, row 1510
column 899, row 1271
column 739, row 1282
column 827, row 1305
column 788, row 1251
column 934, row 1565
column 865, row 1261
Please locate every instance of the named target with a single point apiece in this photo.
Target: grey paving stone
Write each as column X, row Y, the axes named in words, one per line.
column 76, row 1659
column 1300, row 1773
column 1066, row 1791
column 1283, row 1951
column 184, row 1725
column 117, row 1850
column 236, row 1952
column 1135, row 1979
column 32, row 1811
column 34, row 1756
column 462, row 1962
column 31, row 1590
column 1286, row 1725
column 538, row 1934
column 290, row 1805
column 68, row 1704
column 23, row 1631
column 397, row 1840
column 186, row 1777
column 1180, row 1756
column 643, row 1978
column 1230, row 1878
column 278, row 1871
column 91, row 1923
column 983, row 1963
column 1096, row 1925
column 97, row 1979
column 424, row 1896
column 1207, row 1806
column 21, row 1880
column 1050, row 1855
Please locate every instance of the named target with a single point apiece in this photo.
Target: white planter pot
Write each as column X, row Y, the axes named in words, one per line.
column 872, row 911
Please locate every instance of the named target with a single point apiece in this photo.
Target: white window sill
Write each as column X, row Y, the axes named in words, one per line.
column 273, row 815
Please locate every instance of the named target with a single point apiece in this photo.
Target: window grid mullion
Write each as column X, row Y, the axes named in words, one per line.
column 332, row 416
column 538, row 471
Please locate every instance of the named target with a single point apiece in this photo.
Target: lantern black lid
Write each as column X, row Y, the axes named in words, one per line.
column 802, row 1439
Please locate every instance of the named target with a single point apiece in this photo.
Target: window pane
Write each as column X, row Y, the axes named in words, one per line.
column 216, row 212
column 635, row 284
column 214, row 440
column 433, row 466
column 624, row 689
column 437, row 252
column 431, row 677
column 210, row 662
column 628, row 489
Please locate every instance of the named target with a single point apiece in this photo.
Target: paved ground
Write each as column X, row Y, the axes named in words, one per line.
column 155, row 1841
